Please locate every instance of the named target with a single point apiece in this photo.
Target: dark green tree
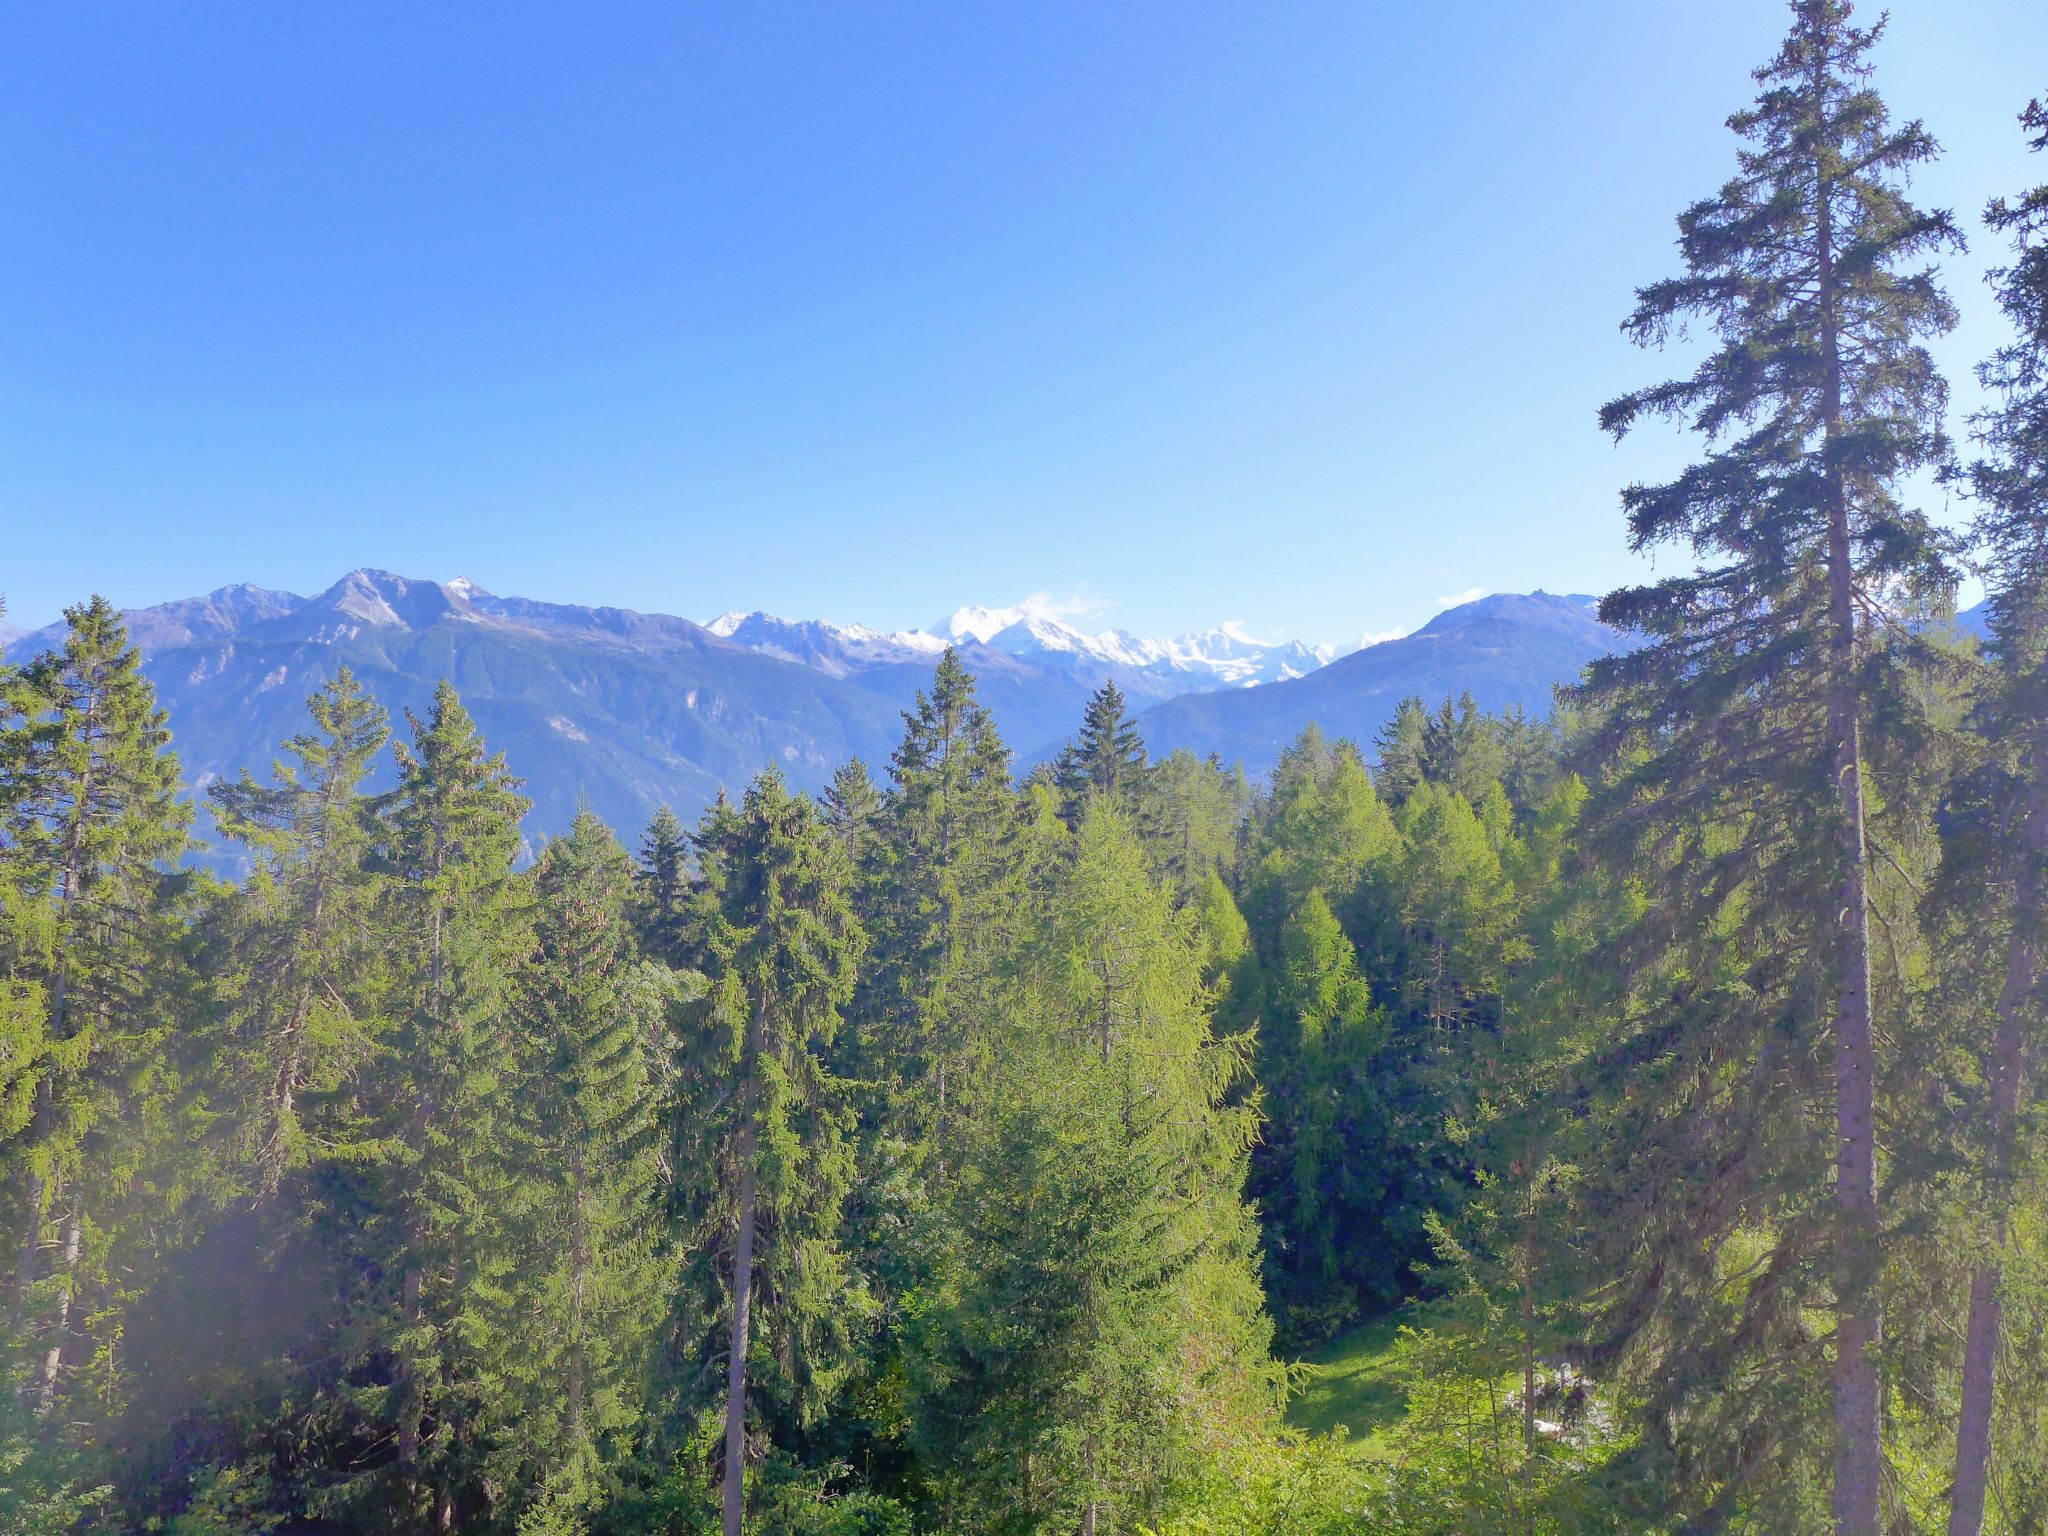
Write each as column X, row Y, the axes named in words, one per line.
column 782, row 947
column 1754, row 698
column 945, row 863
column 663, row 887
column 581, row 1308
column 88, row 801
column 310, row 982
column 1106, row 759
column 461, row 924
column 1999, row 843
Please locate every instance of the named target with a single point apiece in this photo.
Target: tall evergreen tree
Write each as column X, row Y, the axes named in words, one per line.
column 1106, row 759
column 308, row 956
column 1766, row 668
column 782, row 947
column 88, row 800
column 581, row 1308
column 946, row 865
column 853, row 809
column 2001, row 848
column 662, row 895
column 462, row 924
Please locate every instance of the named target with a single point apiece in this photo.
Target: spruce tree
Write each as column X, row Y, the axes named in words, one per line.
column 308, row 957
column 945, row 868
column 1999, row 845
column 853, row 809
column 663, row 887
column 781, row 947
column 580, row 1311
column 1106, row 759
column 1192, row 812
column 88, row 800
column 1403, row 745
column 461, row 919
column 1762, row 676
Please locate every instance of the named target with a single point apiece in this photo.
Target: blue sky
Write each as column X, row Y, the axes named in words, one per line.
column 1291, row 314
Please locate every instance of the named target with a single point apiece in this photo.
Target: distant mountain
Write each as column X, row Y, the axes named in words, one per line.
column 1034, row 671
column 1508, row 649
column 1976, row 621
column 629, row 710
column 624, row 710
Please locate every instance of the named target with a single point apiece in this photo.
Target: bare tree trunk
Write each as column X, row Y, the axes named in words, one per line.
column 60, row 1321
column 1859, row 1452
column 735, row 1492
column 1987, row 1315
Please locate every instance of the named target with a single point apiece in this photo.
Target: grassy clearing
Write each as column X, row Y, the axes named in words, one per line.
column 1360, row 1380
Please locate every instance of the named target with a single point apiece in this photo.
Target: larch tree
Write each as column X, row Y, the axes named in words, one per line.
column 1766, row 667
column 2000, row 846
column 1101, row 1329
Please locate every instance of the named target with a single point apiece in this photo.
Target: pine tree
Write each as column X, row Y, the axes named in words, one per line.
column 308, row 958
column 2000, row 848
column 462, row 921
column 1107, row 758
column 782, row 947
column 88, row 799
column 580, row 1313
column 1765, row 669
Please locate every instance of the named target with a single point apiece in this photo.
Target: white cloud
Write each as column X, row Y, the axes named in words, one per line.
column 1380, row 637
column 1236, row 630
column 1043, row 605
column 1469, row 595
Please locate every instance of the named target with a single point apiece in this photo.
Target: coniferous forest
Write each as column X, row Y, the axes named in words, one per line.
column 979, row 1150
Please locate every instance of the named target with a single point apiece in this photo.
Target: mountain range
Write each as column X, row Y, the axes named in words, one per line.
column 627, row 711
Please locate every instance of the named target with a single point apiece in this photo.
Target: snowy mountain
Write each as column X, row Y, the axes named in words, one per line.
column 1226, row 656
column 627, row 711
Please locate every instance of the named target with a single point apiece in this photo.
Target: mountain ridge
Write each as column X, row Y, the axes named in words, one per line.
column 626, row 710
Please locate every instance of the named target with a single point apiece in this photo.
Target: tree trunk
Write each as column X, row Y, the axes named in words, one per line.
column 1859, row 1451
column 1980, row 1349
column 60, row 1321
column 735, row 1492
column 409, row 1413
column 1529, row 1359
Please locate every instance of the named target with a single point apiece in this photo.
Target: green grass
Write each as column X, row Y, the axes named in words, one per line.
column 1359, row 1380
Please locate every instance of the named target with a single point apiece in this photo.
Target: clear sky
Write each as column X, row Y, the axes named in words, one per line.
column 1296, row 314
